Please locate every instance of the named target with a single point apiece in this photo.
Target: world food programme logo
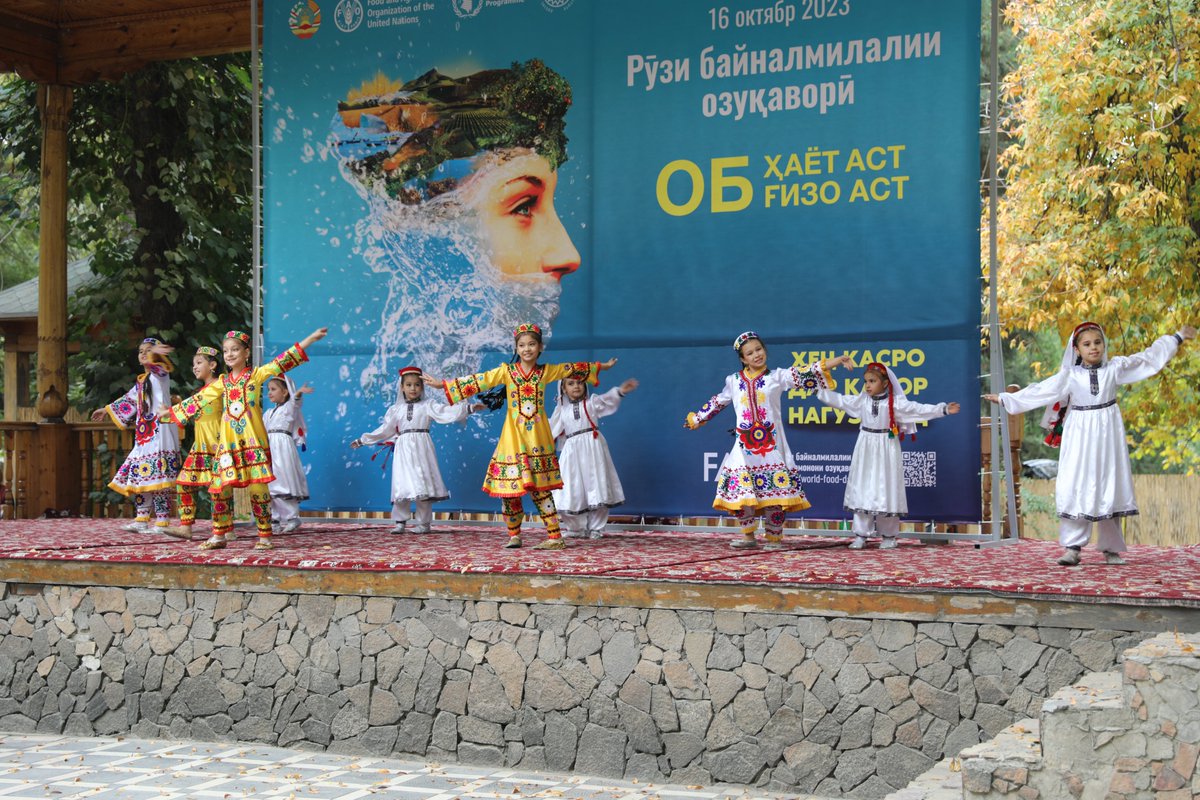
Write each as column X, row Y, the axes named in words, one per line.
column 305, row 19
column 466, row 8
column 556, row 5
column 348, row 15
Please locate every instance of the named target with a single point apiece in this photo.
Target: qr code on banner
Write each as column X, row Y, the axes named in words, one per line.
column 920, row 468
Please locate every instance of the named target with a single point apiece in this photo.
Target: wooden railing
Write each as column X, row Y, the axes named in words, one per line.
column 101, row 448
column 16, row 444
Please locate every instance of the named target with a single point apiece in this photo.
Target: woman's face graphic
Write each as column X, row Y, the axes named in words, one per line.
column 520, row 226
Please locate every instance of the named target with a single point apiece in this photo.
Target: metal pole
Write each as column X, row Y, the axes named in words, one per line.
column 1001, row 454
column 256, row 191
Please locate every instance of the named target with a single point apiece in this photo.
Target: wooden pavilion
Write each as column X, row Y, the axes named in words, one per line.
column 61, row 44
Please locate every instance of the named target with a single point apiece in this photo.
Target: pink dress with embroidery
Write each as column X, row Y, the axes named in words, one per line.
column 759, row 471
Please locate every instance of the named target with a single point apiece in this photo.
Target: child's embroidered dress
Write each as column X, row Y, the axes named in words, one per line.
column 759, row 471
column 242, row 455
column 524, row 460
column 153, row 463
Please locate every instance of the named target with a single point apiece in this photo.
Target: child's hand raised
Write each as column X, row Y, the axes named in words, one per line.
column 608, row 364
column 305, row 389
column 166, row 349
column 628, row 386
column 841, row 361
column 316, row 335
column 430, row 380
column 952, row 408
column 1187, row 332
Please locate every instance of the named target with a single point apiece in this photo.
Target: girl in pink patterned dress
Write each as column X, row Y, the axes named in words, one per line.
column 759, row 476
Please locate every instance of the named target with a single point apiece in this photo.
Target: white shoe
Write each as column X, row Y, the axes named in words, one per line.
column 573, row 534
column 1069, row 558
column 744, row 543
column 137, row 526
column 888, row 543
column 398, row 528
column 595, row 534
column 418, row 529
column 290, row 525
column 1113, row 558
column 859, row 543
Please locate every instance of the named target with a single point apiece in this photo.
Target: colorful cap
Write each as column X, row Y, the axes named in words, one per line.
column 409, row 371
column 150, row 340
column 1085, row 326
column 527, row 327
column 241, row 336
column 211, row 352
column 743, row 338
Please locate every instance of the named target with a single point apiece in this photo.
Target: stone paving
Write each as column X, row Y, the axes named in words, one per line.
column 36, row 767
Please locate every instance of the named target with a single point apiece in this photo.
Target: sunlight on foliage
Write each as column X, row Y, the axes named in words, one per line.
column 1101, row 214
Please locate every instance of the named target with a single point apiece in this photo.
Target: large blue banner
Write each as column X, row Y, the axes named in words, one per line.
column 644, row 180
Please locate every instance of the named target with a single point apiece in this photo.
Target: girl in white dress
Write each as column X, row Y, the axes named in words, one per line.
column 875, row 486
column 759, row 475
column 590, row 483
column 148, row 473
column 286, row 434
column 1095, row 481
column 416, row 479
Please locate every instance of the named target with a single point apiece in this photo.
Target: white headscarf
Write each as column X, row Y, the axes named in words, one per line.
column 903, row 428
column 299, row 426
column 1056, row 412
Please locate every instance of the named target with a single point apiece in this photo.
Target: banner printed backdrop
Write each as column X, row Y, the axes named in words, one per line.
column 832, row 208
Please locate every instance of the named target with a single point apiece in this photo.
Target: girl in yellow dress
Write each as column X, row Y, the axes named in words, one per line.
column 198, row 466
column 243, row 456
column 524, row 460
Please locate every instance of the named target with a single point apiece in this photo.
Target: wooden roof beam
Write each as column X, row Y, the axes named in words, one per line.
column 29, row 49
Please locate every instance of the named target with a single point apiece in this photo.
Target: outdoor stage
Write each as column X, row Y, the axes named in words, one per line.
column 642, row 568
column 655, row 655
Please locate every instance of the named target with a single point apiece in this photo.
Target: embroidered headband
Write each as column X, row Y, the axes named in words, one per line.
column 241, row 336
column 211, row 352
column 150, row 340
column 1085, row 326
column 527, row 327
column 409, row 371
column 875, row 366
column 743, row 338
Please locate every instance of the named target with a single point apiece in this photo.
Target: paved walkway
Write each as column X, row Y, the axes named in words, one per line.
column 36, row 767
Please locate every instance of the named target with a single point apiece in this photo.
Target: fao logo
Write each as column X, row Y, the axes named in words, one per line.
column 348, row 15
column 556, row 5
column 466, row 8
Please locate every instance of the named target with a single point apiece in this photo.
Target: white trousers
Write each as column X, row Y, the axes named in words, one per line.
column 420, row 520
column 1078, row 532
column 580, row 524
column 284, row 510
column 865, row 524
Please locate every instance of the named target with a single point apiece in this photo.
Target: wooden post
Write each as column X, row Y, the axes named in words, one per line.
column 54, row 102
column 55, row 484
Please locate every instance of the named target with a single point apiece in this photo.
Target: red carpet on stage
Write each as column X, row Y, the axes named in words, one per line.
column 1153, row 574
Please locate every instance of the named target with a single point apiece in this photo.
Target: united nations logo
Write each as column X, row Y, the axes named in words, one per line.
column 466, row 8
column 556, row 5
column 348, row 15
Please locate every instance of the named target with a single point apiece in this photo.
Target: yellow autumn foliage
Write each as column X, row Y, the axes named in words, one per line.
column 1100, row 217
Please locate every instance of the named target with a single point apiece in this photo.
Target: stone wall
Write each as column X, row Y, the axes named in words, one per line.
column 834, row 706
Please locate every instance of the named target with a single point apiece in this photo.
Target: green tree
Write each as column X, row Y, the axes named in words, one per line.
column 1101, row 215
column 159, row 181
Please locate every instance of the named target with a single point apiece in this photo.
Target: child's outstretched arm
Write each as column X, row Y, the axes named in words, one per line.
column 313, row 337
column 1149, row 362
column 695, row 419
column 628, row 386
